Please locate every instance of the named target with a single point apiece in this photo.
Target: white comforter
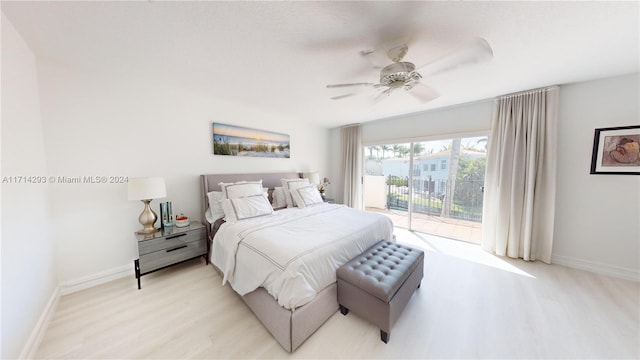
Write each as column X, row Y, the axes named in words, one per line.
column 294, row 253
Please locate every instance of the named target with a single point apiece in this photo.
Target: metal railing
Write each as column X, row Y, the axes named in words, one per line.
column 429, row 196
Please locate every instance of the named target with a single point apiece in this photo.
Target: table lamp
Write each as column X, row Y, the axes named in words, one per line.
column 146, row 189
column 313, row 177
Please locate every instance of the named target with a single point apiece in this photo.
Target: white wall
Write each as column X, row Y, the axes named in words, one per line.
column 103, row 126
column 597, row 223
column 28, row 273
column 468, row 119
column 374, row 191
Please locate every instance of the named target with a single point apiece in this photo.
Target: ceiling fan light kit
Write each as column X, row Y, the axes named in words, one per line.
column 398, row 74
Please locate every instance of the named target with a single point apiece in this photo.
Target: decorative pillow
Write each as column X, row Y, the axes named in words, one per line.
column 241, row 189
column 306, row 196
column 214, row 212
column 277, row 198
column 246, row 207
column 288, row 184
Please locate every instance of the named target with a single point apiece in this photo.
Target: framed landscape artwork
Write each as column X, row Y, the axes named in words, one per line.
column 616, row 150
column 241, row 141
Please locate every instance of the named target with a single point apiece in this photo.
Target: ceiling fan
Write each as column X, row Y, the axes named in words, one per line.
column 404, row 75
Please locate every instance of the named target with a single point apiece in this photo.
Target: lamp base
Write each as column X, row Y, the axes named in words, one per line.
column 147, row 218
column 147, row 232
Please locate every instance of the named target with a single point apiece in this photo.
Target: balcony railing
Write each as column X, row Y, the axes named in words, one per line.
column 429, row 196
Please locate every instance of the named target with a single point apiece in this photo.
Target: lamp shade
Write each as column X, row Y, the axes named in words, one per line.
column 313, row 177
column 146, row 188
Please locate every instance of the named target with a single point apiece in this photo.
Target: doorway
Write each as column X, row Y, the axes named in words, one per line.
column 435, row 187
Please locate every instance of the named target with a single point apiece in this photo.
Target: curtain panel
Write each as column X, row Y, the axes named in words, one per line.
column 351, row 137
column 520, row 182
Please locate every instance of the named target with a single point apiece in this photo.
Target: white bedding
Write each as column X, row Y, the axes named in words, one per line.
column 294, row 253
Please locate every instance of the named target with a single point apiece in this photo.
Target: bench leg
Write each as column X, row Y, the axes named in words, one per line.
column 343, row 310
column 384, row 336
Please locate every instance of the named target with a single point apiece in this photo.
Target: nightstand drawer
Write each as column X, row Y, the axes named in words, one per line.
column 171, row 255
column 170, row 241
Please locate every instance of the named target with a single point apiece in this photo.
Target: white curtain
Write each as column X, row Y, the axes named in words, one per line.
column 352, row 165
column 520, row 182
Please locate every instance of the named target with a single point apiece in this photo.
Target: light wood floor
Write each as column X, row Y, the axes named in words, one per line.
column 470, row 305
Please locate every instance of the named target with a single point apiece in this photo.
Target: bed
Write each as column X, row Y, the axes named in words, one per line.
column 293, row 247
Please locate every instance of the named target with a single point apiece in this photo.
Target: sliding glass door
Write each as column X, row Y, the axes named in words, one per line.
column 434, row 187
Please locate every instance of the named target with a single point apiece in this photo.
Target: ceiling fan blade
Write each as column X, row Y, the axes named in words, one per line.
column 342, row 96
column 475, row 52
column 423, row 93
column 350, row 84
column 382, row 94
column 373, row 61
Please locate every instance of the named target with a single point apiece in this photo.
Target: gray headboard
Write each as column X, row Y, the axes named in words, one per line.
column 210, row 182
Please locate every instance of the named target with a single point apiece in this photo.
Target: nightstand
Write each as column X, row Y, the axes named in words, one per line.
column 169, row 247
column 330, row 201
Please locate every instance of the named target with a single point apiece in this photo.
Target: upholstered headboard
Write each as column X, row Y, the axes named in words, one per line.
column 210, row 182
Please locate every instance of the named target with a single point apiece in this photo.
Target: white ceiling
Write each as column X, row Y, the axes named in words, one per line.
column 278, row 56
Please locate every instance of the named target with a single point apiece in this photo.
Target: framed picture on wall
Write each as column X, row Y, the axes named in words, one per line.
column 616, row 150
column 235, row 140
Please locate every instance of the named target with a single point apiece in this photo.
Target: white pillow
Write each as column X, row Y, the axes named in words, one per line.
column 278, row 198
column 306, row 196
column 288, row 184
column 241, row 189
column 246, row 207
column 214, row 212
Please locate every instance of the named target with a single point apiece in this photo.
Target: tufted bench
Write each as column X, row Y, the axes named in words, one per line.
column 378, row 284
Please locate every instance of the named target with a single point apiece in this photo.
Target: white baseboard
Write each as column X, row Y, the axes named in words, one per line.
column 64, row 288
column 68, row 287
column 598, row 268
column 37, row 334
